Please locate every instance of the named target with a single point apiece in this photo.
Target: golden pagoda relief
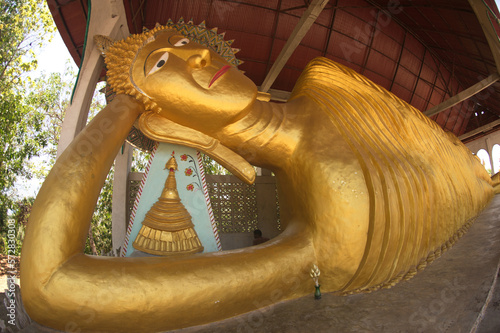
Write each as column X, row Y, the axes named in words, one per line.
column 167, row 228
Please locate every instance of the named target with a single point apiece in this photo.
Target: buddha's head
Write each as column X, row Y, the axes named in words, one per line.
column 178, row 78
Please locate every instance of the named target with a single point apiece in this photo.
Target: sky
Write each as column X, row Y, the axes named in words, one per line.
column 53, row 57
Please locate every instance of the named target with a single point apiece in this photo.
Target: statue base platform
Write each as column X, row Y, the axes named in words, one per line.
column 459, row 292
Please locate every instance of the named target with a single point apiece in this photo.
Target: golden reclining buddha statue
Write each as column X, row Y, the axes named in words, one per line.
column 370, row 191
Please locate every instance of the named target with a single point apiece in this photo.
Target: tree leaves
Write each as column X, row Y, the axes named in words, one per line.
column 212, row 167
column 24, row 26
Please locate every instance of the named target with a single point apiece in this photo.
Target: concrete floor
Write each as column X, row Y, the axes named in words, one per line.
column 455, row 294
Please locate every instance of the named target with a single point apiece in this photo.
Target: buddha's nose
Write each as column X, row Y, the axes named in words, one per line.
column 199, row 60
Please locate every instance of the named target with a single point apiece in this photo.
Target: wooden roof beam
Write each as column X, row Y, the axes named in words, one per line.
column 481, row 10
column 463, row 95
column 300, row 30
column 278, row 95
column 481, row 129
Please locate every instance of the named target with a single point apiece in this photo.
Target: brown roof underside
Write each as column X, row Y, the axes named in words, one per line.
column 424, row 51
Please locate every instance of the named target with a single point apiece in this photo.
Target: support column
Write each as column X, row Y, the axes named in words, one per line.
column 265, row 188
column 119, row 213
column 489, row 149
column 108, row 18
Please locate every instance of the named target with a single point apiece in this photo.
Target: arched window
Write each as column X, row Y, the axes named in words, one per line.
column 495, row 156
column 485, row 159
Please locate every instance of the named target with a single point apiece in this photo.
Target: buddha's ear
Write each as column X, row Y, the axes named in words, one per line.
column 103, row 43
column 161, row 129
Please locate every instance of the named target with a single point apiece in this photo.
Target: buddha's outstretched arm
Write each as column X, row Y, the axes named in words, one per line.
column 61, row 214
column 67, row 290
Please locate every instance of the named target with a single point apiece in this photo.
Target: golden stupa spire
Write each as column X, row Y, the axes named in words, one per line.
column 167, row 228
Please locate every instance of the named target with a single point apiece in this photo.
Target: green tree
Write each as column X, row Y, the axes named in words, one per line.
column 140, row 160
column 21, row 210
column 47, row 98
column 24, row 26
column 51, row 94
column 99, row 240
column 54, row 93
column 211, row 167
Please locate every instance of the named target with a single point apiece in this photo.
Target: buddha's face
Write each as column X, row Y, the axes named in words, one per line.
column 193, row 85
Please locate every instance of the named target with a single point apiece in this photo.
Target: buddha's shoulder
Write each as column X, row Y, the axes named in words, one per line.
column 326, row 80
column 322, row 71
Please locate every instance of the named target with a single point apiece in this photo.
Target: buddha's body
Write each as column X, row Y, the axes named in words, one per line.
column 334, row 203
column 366, row 189
column 378, row 202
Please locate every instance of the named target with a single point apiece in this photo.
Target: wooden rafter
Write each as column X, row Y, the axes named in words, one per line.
column 463, row 95
column 298, row 33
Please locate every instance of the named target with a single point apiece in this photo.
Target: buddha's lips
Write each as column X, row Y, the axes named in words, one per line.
column 219, row 73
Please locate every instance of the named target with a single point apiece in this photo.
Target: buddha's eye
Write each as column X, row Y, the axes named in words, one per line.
column 159, row 64
column 182, row 42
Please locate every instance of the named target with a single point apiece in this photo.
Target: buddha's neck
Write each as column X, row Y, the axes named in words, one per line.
column 260, row 136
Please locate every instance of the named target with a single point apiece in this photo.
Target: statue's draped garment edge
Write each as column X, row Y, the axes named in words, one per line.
column 424, row 184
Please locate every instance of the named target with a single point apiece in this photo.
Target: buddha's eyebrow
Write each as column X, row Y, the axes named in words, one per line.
column 146, row 60
column 176, row 36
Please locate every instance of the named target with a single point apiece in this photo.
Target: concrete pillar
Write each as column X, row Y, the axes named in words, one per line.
column 489, row 149
column 107, row 18
column 119, row 213
column 265, row 172
column 265, row 188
